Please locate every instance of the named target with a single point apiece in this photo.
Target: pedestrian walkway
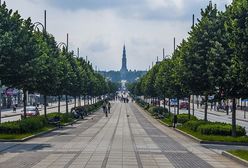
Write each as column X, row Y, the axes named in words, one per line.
column 128, row 138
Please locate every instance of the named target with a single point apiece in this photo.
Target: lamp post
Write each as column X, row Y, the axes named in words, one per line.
column 36, row 27
column 65, row 45
column 193, row 98
column 0, row 101
column 175, row 117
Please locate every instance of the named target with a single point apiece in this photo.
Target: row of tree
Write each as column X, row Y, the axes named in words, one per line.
column 31, row 60
column 213, row 60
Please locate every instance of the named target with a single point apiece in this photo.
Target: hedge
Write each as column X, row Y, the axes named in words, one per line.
column 183, row 118
column 36, row 123
column 220, row 129
column 28, row 125
column 142, row 103
column 213, row 128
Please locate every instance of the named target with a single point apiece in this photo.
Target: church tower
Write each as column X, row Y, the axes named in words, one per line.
column 124, row 64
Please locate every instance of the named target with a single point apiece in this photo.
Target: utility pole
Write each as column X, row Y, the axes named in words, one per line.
column 163, row 54
column 174, row 44
column 78, row 52
column 67, row 48
column 45, row 21
column 0, row 99
column 193, row 98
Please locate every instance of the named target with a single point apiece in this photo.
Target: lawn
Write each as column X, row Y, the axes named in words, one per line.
column 21, row 136
column 243, row 139
column 243, row 154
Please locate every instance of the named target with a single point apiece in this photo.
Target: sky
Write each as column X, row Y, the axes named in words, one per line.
column 100, row 28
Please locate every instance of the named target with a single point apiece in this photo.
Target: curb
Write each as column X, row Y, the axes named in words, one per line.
column 188, row 135
column 13, row 115
column 164, row 123
column 235, row 158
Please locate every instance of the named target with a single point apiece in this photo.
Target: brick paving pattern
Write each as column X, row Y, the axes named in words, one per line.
column 128, row 138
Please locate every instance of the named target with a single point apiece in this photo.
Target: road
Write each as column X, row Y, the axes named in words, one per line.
column 9, row 115
column 128, row 138
column 216, row 117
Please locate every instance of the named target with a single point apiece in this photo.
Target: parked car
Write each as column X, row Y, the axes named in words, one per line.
column 184, row 105
column 173, row 102
column 31, row 111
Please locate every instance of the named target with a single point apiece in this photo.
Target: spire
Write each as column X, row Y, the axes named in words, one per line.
column 124, row 59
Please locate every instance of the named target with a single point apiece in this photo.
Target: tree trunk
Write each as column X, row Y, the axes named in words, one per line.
column 58, row 104
column 164, row 103
column 79, row 100
column 197, row 101
column 193, row 107
column 189, row 107
column 169, row 108
column 25, row 103
column 84, row 100
column 206, row 109
column 45, row 106
column 66, row 105
column 234, row 118
column 178, row 106
column 75, row 101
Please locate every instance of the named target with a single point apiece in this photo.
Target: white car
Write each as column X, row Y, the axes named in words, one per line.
column 31, row 111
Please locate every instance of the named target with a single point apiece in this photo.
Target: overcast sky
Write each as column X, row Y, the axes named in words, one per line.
column 101, row 27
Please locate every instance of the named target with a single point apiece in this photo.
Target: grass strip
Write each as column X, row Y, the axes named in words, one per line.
column 243, row 154
column 215, row 138
column 21, row 136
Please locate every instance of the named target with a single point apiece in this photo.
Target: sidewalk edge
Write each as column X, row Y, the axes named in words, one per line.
column 235, row 158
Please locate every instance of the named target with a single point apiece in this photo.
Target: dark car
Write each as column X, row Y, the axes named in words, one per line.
column 184, row 105
column 31, row 111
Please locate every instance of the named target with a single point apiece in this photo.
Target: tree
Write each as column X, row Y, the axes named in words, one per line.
column 198, row 60
column 17, row 52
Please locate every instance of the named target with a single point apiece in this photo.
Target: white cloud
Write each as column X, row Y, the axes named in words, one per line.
column 146, row 26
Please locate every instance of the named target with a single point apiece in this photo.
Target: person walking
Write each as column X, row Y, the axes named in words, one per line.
column 14, row 108
column 109, row 107
column 104, row 107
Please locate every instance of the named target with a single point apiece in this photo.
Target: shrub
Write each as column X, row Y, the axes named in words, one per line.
column 10, row 127
column 157, row 111
column 28, row 125
column 194, row 124
column 142, row 103
column 220, row 129
column 183, row 118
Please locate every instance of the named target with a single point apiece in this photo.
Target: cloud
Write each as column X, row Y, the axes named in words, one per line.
column 101, row 27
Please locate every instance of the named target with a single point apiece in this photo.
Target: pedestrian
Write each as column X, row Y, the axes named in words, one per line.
column 109, row 107
column 14, row 108
column 104, row 107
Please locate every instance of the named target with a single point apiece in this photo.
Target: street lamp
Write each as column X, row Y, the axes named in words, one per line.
column 64, row 45
column 0, row 101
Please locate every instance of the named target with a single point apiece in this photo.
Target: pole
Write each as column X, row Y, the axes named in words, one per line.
column 174, row 44
column 45, row 20
column 163, row 54
column 67, row 42
column 66, row 96
column 78, row 52
column 0, row 97
column 193, row 99
column 193, row 21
